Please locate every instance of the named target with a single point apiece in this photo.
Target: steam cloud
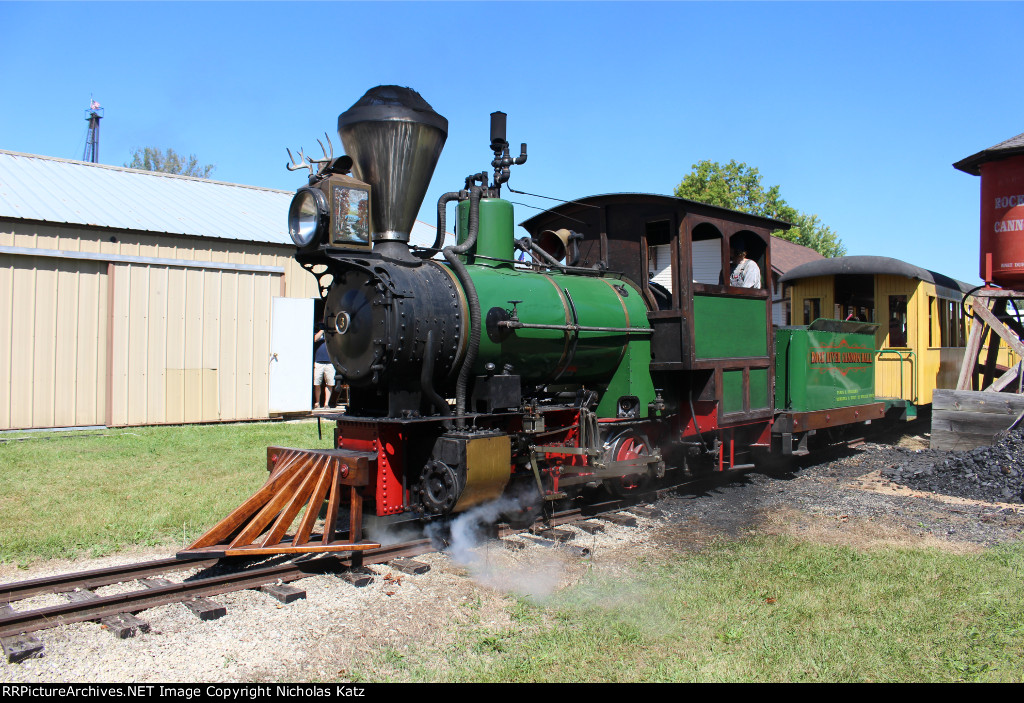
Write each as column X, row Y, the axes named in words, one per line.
column 466, row 543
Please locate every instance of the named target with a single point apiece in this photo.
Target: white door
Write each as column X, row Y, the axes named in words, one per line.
column 291, row 355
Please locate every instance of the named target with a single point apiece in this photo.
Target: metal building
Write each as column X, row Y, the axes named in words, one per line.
column 134, row 298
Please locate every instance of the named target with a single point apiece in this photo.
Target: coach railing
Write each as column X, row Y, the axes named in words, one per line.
column 903, row 355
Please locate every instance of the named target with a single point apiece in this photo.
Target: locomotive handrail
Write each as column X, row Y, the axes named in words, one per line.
column 515, row 324
column 911, row 355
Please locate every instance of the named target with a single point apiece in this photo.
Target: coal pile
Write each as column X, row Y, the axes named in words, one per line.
column 994, row 474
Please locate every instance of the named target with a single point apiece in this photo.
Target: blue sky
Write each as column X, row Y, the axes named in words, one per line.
column 857, row 110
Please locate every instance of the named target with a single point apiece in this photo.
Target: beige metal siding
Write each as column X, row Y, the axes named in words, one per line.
column 188, row 344
column 52, row 343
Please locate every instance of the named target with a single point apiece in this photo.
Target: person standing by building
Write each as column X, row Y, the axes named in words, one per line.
column 323, row 372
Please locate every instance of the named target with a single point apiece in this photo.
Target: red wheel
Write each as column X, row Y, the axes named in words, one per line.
column 629, row 448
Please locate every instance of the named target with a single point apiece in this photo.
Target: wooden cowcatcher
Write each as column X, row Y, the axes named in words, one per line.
column 269, row 523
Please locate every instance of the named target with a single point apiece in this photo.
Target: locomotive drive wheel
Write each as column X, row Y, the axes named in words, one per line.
column 629, row 446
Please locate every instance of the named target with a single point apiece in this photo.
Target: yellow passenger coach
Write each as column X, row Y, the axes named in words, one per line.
column 921, row 332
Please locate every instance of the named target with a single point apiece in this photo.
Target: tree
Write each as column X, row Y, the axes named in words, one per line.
column 151, row 159
column 737, row 186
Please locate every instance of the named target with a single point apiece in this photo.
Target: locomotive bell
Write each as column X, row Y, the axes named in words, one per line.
column 394, row 138
column 555, row 242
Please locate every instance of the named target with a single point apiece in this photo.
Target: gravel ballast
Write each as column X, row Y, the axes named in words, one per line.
column 865, row 497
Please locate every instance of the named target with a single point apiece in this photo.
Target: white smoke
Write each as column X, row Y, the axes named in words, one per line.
column 492, row 565
column 395, row 533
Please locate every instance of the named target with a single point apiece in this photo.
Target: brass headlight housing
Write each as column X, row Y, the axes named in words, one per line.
column 308, row 217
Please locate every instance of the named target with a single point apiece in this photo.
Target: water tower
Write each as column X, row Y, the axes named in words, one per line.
column 998, row 307
column 92, row 140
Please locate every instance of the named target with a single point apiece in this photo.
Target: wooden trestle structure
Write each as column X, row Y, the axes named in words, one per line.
column 991, row 318
column 987, row 399
column 269, row 523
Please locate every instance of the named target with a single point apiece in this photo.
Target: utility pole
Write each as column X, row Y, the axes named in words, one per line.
column 92, row 143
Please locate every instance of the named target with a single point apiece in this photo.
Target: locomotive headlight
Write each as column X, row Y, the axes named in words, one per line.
column 308, row 216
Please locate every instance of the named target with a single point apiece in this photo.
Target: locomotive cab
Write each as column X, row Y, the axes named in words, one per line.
column 712, row 342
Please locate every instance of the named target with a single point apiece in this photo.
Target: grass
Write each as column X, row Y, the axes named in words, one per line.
column 73, row 494
column 762, row 609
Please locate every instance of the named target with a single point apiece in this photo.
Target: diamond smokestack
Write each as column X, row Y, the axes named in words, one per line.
column 394, row 138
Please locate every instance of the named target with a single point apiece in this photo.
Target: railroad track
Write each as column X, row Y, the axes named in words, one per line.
column 216, row 577
column 226, row 575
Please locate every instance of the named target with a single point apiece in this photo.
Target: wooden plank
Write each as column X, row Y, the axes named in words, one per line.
column 1000, row 329
column 979, row 423
column 968, row 419
column 974, row 341
column 358, row 579
column 270, row 510
column 646, row 511
column 18, row 648
column 284, row 521
column 330, row 522
column 313, row 507
column 243, row 512
column 977, row 401
column 963, row 441
column 989, row 368
column 1006, row 379
column 557, row 535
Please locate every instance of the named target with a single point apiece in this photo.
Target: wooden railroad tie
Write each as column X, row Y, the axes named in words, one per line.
column 283, row 592
column 18, row 648
column 590, row 527
column 646, row 511
column 571, row 548
column 409, row 566
column 359, row 579
column 204, row 608
column 120, row 625
column 557, row 535
column 620, row 519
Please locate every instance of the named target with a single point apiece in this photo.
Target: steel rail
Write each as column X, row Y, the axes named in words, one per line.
column 11, row 592
column 15, row 622
column 20, row 622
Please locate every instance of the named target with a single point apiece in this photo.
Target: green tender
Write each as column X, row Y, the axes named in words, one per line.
column 816, row 370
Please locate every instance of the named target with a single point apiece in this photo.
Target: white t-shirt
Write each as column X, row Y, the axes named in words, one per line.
column 746, row 274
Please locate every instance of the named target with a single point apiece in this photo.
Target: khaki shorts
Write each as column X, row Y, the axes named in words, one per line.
column 323, row 374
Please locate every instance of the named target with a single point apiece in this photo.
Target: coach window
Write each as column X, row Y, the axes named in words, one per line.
column 897, row 320
column 951, row 322
column 707, row 255
column 812, row 310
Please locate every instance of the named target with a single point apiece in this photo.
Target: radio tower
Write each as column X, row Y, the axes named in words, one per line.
column 92, row 142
